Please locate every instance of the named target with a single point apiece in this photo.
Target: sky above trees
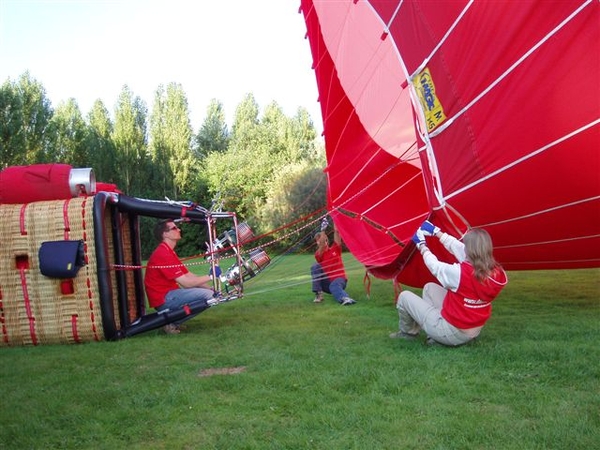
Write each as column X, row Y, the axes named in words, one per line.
column 216, row 50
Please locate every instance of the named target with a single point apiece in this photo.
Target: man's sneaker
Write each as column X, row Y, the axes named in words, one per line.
column 347, row 301
column 403, row 335
column 318, row 298
column 171, row 329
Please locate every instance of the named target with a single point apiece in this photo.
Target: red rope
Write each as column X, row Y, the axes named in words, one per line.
column 22, row 219
column 87, row 270
column 74, row 328
column 367, row 283
column 28, row 306
column 3, row 320
column 66, row 218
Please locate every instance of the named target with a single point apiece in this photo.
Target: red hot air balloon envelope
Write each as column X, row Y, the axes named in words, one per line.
column 467, row 113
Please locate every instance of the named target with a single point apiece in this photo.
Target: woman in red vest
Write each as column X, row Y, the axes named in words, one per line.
column 454, row 311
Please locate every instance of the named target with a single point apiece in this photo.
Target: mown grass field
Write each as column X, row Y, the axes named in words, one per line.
column 275, row 371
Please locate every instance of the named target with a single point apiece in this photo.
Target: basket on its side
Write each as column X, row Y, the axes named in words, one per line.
column 36, row 309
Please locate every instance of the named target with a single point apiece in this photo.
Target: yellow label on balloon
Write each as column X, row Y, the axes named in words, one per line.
column 434, row 112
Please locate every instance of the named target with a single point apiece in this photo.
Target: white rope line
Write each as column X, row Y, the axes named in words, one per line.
column 204, row 255
column 554, row 241
column 357, row 174
column 442, row 41
column 384, row 198
column 351, row 269
column 524, row 158
column 508, row 71
column 535, row 263
column 542, row 211
column 396, row 11
column 368, row 186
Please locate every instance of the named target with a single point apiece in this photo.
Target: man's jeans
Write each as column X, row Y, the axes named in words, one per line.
column 178, row 298
column 320, row 283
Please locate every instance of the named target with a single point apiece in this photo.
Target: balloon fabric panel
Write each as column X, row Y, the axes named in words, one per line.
column 505, row 111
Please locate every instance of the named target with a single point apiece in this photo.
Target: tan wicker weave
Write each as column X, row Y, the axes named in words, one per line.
column 33, row 308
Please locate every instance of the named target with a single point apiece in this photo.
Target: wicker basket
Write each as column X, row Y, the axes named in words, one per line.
column 35, row 309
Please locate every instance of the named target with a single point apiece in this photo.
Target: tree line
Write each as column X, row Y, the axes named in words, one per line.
column 268, row 168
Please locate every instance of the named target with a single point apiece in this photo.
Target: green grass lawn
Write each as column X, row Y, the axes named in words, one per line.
column 272, row 370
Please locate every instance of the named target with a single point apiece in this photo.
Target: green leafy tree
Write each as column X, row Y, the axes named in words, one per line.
column 213, row 135
column 129, row 137
column 174, row 164
column 241, row 175
column 298, row 191
column 12, row 132
column 26, row 114
column 171, row 136
column 37, row 112
column 260, row 151
column 179, row 139
column 163, row 183
column 100, row 146
column 301, row 139
column 68, row 135
column 245, row 121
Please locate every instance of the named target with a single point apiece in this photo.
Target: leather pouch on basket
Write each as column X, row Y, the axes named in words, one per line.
column 61, row 259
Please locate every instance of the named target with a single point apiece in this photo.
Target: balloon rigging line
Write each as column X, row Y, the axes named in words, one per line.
column 312, row 193
column 375, row 180
column 419, row 218
column 351, row 269
column 536, row 264
column 524, row 158
column 395, row 13
column 554, row 241
column 508, row 71
column 367, row 81
column 442, row 40
column 542, row 211
column 359, row 172
column 334, row 108
column 337, row 144
column 374, row 205
column 279, row 258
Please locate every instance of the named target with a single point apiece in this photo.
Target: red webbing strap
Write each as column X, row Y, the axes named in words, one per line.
column 22, row 269
column 88, row 281
column 367, row 284
column 22, row 219
column 3, row 320
column 74, row 328
column 187, row 310
column 66, row 218
column 84, row 233
column 28, row 306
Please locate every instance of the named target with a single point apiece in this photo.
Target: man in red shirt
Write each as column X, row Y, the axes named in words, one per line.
column 169, row 284
column 328, row 274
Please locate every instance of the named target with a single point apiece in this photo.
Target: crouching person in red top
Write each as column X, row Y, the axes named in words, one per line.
column 328, row 273
column 169, row 284
column 454, row 311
